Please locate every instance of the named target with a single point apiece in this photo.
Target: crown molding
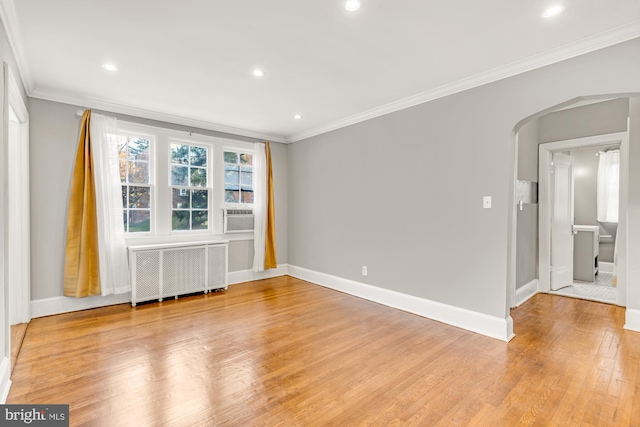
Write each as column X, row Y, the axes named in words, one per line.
column 589, row 44
column 9, row 18
column 99, row 104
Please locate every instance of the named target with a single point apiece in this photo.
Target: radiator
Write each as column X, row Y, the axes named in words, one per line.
column 238, row 220
column 170, row 270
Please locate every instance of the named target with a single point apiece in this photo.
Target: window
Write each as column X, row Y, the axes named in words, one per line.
column 189, row 187
column 608, row 186
column 135, row 176
column 199, row 175
column 238, row 178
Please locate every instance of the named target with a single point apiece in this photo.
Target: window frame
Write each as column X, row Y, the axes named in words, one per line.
column 239, row 205
column 161, row 202
column 209, row 187
column 127, row 131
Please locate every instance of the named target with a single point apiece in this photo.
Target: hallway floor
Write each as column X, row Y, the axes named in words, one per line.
column 602, row 290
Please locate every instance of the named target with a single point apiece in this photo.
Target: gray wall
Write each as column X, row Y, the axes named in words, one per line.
column 527, row 218
column 402, row 193
column 54, row 138
column 528, row 151
column 527, row 244
column 595, row 119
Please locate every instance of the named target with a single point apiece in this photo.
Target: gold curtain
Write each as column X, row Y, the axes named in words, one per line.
column 270, row 229
column 81, row 265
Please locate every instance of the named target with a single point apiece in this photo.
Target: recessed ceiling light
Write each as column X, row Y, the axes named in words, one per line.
column 553, row 11
column 352, row 5
column 297, row 116
column 258, row 73
column 109, row 67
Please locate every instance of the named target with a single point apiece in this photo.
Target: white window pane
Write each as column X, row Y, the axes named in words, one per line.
column 180, row 154
column 199, row 220
column 198, row 177
column 232, row 196
column 200, row 199
column 247, row 196
column 246, row 159
column 198, row 156
column 139, row 221
column 180, row 220
column 180, row 198
column 230, row 157
column 179, row 175
column 246, row 178
column 139, row 197
column 138, row 172
column 139, row 149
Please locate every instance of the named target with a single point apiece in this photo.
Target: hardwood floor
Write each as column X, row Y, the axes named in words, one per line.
column 17, row 337
column 286, row 352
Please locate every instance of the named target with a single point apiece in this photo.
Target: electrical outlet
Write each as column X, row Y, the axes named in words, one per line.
column 364, row 270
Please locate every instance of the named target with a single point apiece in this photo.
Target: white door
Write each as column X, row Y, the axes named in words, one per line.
column 562, row 223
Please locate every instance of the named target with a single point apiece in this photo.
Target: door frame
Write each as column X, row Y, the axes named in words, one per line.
column 17, row 227
column 545, row 152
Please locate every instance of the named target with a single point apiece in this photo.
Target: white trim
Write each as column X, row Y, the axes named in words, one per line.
column 605, row 267
column 632, row 320
column 18, row 188
column 512, row 242
column 491, row 326
column 235, row 277
column 11, row 23
column 57, row 305
column 589, row 44
column 5, row 381
column 525, row 292
column 108, row 106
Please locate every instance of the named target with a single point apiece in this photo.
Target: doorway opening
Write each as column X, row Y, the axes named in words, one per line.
column 596, row 123
column 579, row 210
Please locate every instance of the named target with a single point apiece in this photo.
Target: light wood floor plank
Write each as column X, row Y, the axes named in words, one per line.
column 285, row 352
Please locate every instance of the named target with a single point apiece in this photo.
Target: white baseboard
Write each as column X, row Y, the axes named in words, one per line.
column 525, row 292
column 234, row 277
column 491, row 326
column 605, row 267
column 57, row 305
column 632, row 320
column 5, row 382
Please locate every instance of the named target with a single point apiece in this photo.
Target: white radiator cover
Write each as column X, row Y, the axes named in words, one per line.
column 170, row 270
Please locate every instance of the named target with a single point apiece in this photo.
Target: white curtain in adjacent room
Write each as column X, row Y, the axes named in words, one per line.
column 608, row 187
column 259, row 206
column 114, row 270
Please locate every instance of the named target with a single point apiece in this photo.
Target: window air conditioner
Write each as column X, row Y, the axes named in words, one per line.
column 238, row 220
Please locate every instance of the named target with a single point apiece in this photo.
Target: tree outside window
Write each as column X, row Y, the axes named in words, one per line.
column 136, row 184
column 190, row 195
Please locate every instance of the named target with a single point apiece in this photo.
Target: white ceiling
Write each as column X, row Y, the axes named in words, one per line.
column 191, row 61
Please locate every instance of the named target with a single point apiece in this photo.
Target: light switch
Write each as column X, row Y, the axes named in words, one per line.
column 486, row 202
